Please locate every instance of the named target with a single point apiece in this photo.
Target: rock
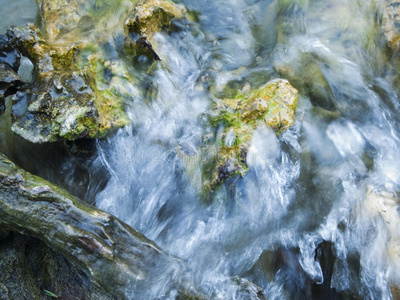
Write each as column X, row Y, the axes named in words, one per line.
column 61, row 16
column 113, row 255
column 290, row 19
column 273, row 104
column 148, row 18
column 28, row 268
column 8, row 79
column 248, row 290
column 64, row 102
column 9, row 64
column 8, row 54
column 395, row 292
column 391, row 24
column 305, row 70
column 384, row 205
column 3, row 292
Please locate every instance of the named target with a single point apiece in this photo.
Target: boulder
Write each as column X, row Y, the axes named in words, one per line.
column 63, row 102
column 148, row 18
column 273, row 105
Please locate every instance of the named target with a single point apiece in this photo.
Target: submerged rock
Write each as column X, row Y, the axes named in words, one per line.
column 148, row 18
column 273, row 105
column 305, row 70
column 63, row 103
column 385, row 206
column 248, row 290
column 9, row 64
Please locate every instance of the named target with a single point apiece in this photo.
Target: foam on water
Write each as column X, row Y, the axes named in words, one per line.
column 304, row 189
column 310, row 218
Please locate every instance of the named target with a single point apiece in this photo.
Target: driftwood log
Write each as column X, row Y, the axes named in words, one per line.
column 117, row 259
column 114, row 255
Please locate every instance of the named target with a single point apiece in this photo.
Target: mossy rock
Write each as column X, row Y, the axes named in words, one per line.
column 61, row 16
column 8, row 79
column 273, row 105
column 391, row 24
column 64, row 102
column 148, row 18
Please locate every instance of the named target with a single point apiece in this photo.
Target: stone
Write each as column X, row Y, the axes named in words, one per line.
column 9, row 64
column 273, row 105
column 385, row 206
column 61, row 16
column 63, row 102
column 29, row 268
column 8, row 79
column 148, row 18
column 391, row 24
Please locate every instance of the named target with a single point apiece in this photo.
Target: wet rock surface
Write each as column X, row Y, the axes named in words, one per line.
column 29, row 268
column 384, row 206
column 61, row 16
column 9, row 64
column 391, row 24
column 9, row 79
column 148, row 18
column 63, row 103
column 272, row 105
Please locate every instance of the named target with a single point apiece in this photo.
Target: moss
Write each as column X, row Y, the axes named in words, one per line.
column 65, row 101
column 148, row 18
column 61, row 16
column 64, row 59
column 273, row 104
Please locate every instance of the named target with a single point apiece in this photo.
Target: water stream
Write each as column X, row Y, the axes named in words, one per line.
column 297, row 224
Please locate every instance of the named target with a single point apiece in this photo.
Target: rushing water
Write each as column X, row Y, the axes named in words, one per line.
column 298, row 224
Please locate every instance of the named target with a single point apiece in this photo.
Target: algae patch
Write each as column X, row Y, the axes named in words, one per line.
column 273, row 104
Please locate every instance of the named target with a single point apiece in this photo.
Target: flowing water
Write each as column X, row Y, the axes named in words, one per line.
column 298, row 224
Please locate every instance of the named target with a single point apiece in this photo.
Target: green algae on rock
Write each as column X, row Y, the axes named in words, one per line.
column 64, row 102
column 273, row 105
column 391, row 24
column 148, row 18
column 61, row 16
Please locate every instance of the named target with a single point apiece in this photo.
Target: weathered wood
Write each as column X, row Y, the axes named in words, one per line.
column 113, row 254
